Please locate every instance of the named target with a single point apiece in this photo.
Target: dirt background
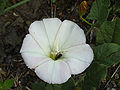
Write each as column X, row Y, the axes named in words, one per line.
column 14, row 26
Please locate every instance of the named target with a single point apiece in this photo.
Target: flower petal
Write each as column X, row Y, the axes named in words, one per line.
column 76, row 66
column 81, row 52
column 70, row 34
column 31, row 52
column 44, row 71
column 38, row 32
column 52, row 26
column 53, row 72
column 32, row 60
column 30, row 45
column 61, row 72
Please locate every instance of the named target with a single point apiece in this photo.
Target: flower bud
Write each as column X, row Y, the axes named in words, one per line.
column 83, row 8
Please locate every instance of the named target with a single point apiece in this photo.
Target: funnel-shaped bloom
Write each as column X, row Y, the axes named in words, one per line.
column 56, row 50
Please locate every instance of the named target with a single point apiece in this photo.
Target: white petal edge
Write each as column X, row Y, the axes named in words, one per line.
column 52, row 26
column 38, row 32
column 70, row 34
column 77, row 37
column 53, row 72
column 31, row 52
column 81, row 52
column 61, row 72
column 30, row 45
column 76, row 66
column 32, row 60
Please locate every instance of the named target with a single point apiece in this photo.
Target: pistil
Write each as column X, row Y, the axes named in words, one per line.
column 55, row 55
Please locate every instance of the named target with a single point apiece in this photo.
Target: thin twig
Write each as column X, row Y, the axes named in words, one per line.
column 16, row 5
column 27, row 88
column 51, row 9
column 89, row 31
column 46, row 13
column 112, row 75
column 54, row 10
column 73, row 10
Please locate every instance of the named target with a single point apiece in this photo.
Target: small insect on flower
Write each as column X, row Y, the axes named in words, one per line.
column 56, row 50
column 58, row 56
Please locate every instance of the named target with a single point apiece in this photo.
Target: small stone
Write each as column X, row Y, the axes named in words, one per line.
column 113, row 89
column 74, row 20
column 15, row 14
column 28, row 23
column 116, row 76
column 108, row 88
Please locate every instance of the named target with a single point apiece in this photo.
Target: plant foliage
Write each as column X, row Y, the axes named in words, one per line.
column 3, row 5
column 106, row 51
column 99, row 11
column 109, row 32
column 6, row 84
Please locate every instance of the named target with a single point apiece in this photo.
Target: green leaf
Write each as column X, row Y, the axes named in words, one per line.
column 99, row 11
column 69, row 85
column 94, row 75
column 116, row 34
column 53, row 87
column 53, row 1
column 116, row 7
column 3, row 5
column 1, row 84
column 8, row 83
column 109, row 32
column 107, row 54
column 49, row 87
column 38, row 86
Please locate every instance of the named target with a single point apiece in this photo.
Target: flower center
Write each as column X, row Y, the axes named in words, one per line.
column 55, row 55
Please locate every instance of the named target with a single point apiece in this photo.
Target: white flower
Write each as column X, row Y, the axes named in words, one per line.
column 56, row 50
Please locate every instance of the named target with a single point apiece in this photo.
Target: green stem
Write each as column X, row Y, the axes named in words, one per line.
column 89, row 30
column 76, row 83
column 86, row 21
column 16, row 5
column 81, row 78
